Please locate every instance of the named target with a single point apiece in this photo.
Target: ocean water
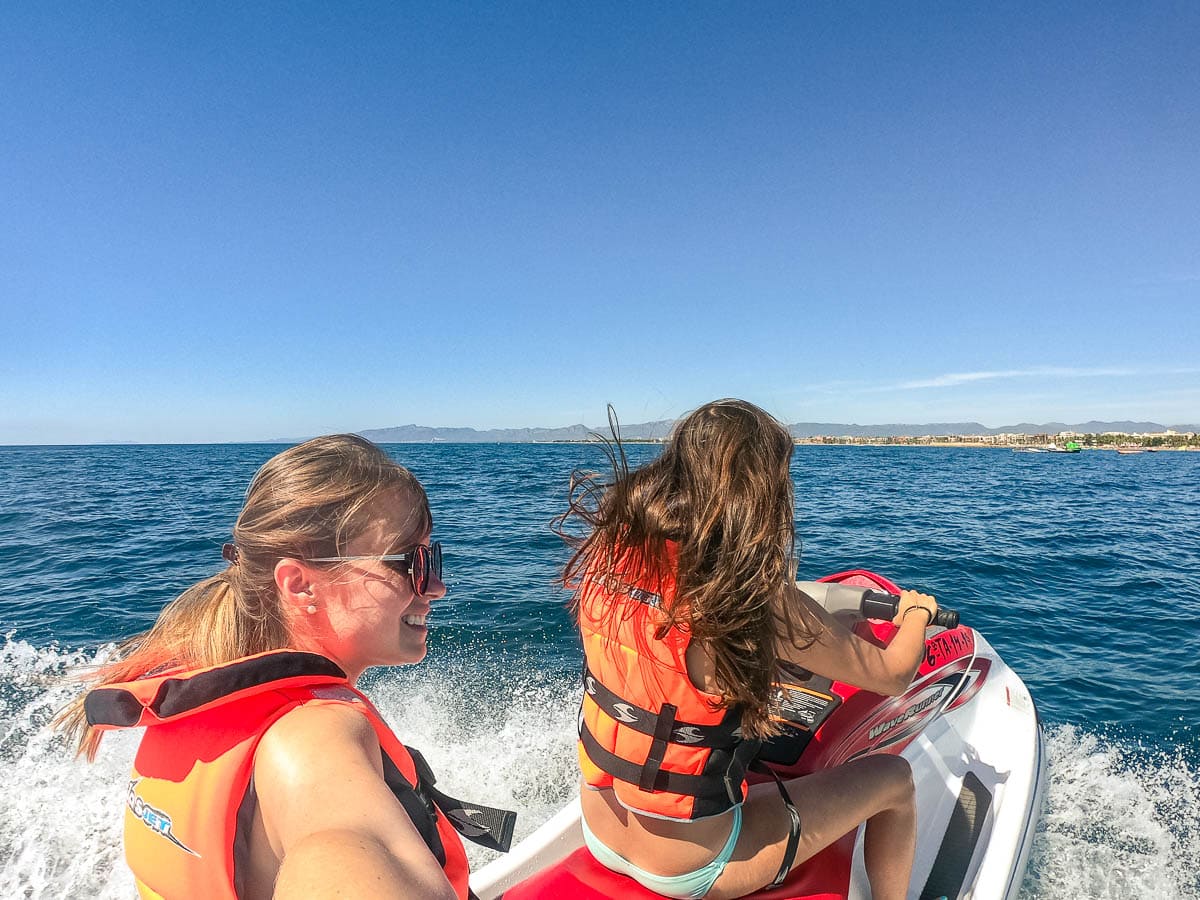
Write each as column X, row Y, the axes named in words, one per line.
column 1083, row 571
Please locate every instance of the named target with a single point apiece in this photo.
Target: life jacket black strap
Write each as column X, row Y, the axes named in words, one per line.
column 485, row 825
column 658, row 748
column 417, row 806
column 722, row 736
column 739, row 764
column 711, row 788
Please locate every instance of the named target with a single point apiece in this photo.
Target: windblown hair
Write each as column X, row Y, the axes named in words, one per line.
column 722, row 491
column 306, row 502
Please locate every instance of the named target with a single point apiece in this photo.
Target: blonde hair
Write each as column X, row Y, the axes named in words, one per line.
column 721, row 489
column 305, row 502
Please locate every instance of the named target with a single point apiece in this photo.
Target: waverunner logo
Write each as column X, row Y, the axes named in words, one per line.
column 896, row 721
column 154, row 819
column 917, row 708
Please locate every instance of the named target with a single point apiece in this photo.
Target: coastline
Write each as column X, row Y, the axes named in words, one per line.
column 984, row 445
column 981, row 444
column 1112, row 441
column 1148, row 443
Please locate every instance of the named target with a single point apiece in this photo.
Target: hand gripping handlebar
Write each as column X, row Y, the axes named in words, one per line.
column 865, row 602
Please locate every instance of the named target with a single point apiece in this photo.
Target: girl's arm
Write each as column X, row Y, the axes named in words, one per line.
column 330, row 817
column 840, row 654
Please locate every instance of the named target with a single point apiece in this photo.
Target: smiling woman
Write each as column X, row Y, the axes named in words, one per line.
column 263, row 771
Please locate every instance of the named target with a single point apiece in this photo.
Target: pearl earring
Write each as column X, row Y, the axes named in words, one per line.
column 312, row 609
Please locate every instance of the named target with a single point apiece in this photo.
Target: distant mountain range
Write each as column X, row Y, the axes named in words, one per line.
column 646, row 431
column 412, row 434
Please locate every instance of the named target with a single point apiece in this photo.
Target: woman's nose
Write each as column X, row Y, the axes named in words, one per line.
column 435, row 589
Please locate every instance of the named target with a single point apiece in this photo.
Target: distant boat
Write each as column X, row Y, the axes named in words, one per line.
column 1071, row 447
column 1125, row 451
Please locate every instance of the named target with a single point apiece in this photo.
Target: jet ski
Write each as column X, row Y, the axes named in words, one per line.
column 967, row 725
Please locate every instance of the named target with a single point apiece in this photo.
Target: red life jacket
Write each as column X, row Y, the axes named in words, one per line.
column 190, row 801
column 645, row 730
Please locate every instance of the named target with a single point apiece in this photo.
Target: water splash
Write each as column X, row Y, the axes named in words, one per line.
column 62, row 836
column 507, row 743
column 1120, row 821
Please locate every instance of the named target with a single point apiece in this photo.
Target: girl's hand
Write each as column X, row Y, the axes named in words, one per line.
column 919, row 603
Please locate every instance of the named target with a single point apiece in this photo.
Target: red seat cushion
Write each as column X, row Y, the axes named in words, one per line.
column 824, row 877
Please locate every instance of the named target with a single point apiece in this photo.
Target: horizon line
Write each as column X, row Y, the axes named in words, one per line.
column 995, row 430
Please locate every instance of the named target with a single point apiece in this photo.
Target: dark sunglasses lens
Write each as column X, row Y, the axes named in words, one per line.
column 420, row 569
column 426, row 561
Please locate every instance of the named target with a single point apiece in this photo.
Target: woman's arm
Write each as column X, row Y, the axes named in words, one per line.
column 840, row 654
column 340, row 864
column 330, row 818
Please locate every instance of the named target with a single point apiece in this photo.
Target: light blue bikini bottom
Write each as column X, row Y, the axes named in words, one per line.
column 690, row 886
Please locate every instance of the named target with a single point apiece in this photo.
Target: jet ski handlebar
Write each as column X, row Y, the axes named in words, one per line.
column 865, row 602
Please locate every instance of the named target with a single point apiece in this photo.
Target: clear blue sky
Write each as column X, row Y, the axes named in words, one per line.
column 230, row 221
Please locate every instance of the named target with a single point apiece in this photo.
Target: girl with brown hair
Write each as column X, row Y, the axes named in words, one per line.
column 684, row 591
column 262, row 771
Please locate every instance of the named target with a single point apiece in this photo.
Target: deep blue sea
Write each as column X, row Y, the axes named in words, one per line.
column 1082, row 570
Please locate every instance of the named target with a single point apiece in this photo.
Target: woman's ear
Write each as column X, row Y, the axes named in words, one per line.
column 293, row 581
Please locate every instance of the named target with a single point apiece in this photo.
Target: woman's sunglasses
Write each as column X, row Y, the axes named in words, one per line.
column 420, row 563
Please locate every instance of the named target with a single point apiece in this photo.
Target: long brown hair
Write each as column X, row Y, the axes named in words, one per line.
column 305, row 502
column 721, row 489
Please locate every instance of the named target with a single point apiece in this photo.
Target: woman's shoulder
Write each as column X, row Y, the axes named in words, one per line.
column 314, row 736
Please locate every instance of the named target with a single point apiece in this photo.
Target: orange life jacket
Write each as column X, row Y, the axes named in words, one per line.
column 645, row 730
column 190, row 800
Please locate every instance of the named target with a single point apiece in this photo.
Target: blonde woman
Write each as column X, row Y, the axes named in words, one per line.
column 686, row 602
column 263, row 771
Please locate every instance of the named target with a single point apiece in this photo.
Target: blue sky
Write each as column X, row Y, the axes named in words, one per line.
column 240, row 221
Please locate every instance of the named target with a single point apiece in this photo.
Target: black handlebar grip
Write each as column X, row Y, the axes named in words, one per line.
column 879, row 605
column 947, row 618
column 882, row 605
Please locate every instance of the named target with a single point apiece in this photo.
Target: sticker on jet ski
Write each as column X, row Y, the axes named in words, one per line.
column 896, row 721
column 947, row 646
column 801, row 704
